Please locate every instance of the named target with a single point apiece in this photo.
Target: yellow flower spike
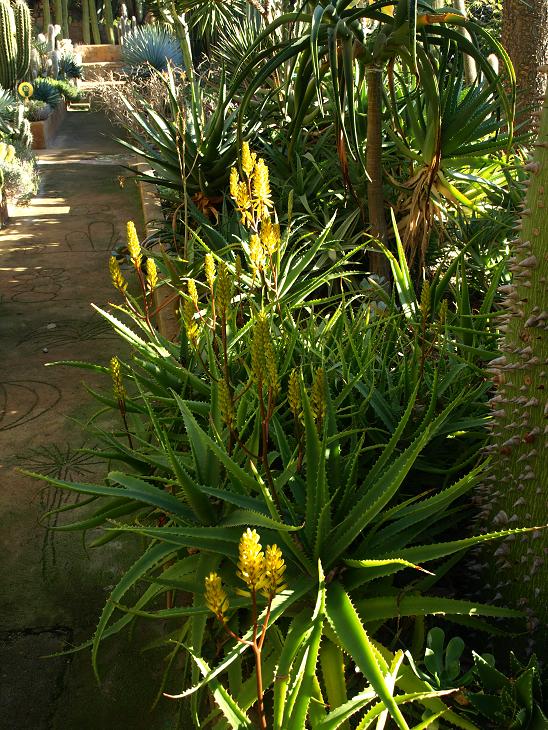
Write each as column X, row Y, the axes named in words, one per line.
column 256, row 253
column 248, row 159
column 270, row 236
column 133, row 245
column 209, row 267
column 261, row 195
column 294, row 394
column 192, row 291
column 215, row 596
column 152, row 275
column 251, row 561
column 224, row 289
column 317, row 396
column 234, row 182
column 274, row 569
column 192, row 327
column 263, row 359
column 117, row 384
column 116, row 276
column 243, row 204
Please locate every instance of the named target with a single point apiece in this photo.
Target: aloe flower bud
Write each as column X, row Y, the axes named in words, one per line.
column 215, row 596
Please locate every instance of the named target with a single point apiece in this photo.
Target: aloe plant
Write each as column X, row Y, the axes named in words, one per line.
column 254, row 419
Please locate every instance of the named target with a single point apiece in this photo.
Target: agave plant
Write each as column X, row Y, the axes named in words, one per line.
column 151, row 46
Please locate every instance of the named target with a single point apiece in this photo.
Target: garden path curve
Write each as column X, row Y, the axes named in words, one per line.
column 53, row 263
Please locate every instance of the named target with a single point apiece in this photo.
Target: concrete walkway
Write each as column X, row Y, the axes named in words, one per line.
column 53, row 263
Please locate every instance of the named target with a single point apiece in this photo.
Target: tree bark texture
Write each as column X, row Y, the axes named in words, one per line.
column 378, row 263
column 525, row 37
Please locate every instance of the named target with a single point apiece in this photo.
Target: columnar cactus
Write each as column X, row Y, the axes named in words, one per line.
column 514, row 493
column 65, row 19
column 85, row 23
column 55, row 57
column 23, row 32
column 53, row 32
column 108, row 20
column 94, row 20
column 58, row 12
column 8, row 46
column 46, row 15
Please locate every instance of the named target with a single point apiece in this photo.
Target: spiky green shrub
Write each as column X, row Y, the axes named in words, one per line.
column 150, row 46
column 37, row 111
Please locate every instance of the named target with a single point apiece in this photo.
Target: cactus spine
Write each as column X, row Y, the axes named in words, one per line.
column 108, row 20
column 94, row 21
column 514, row 492
column 24, row 38
column 8, row 46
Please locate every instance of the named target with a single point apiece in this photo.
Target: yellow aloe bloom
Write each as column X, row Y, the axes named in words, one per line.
column 234, row 182
column 260, row 188
column 294, row 394
column 256, row 253
column 248, row 159
column 152, row 274
column 133, row 245
column 215, row 596
column 317, row 396
column 251, row 562
column 116, row 276
column 117, row 384
column 224, row 289
column 270, row 236
column 192, row 291
column 243, row 204
column 274, row 569
column 263, row 358
column 209, row 267
column 191, row 324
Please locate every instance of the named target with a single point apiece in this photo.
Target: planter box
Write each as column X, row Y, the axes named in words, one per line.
column 43, row 133
column 104, row 53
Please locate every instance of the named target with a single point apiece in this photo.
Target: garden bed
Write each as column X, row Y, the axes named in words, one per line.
column 43, row 133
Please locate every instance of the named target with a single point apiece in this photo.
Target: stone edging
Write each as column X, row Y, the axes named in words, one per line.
column 43, row 133
column 167, row 318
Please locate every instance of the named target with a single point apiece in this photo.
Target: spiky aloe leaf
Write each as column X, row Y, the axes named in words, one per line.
column 346, row 623
column 304, row 689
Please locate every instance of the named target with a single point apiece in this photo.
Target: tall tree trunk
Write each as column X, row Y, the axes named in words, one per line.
column 525, row 37
column 378, row 263
column 515, row 491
